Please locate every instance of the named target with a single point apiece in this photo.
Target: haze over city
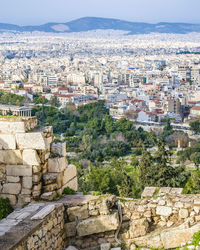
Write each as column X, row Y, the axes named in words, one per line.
column 23, row 12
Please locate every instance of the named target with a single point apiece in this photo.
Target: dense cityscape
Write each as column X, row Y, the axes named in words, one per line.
column 99, row 126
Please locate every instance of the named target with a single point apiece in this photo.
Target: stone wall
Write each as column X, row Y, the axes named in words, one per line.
column 32, row 166
column 163, row 219
column 37, row 226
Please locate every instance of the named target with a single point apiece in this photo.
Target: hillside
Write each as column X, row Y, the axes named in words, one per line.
column 94, row 23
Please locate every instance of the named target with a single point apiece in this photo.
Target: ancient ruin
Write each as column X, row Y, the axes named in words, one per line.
column 32, row 166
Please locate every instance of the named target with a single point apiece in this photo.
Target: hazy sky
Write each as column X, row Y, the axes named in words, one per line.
column 25, row 12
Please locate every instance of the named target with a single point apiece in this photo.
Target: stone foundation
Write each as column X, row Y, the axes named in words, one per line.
column 164, row 221
column 31, row 165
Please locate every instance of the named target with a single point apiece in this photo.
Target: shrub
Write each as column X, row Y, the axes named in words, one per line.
column 5, row 208
column 68, row 190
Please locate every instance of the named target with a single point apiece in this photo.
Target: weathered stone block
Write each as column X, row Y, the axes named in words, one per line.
column 70, row 229
column 12, row 127
column 163, row 210
column 69, row 173
column 37, row 178
column 11, row 188
column 13, row 179
column 7, row 141
column 48, row 196
column 31, row 141
column 176, row 237
column 36, row 169
column 37, row 187
column 43, row 212
column 26, row 191
column 12, row 157
column 19, row 170
column 105, row 246
column 139, row 227
column 49, row 178
column 59, row 148
column 78, row 213
column 50, row 187
column 27, row 182
column 99, row 224
column 148, row 192
column 150, row 241
column 73, row 184
column 176, row 191
column 183, row 213
column 30, row 157
column 56, row 165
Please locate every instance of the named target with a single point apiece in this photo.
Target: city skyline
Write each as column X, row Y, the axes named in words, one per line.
column 153, row 11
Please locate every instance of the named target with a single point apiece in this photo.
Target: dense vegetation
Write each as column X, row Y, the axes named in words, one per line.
column 115, row 157
column 91, row 131
column 11, row 99
column 5, row 208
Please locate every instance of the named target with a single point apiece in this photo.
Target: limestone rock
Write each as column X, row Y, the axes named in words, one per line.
column 19, row 170
column 11, row 188
column 56, row 165
column 70, row 229
column 175, row 237
column 183, row 213
column 43, row 212
column 7, row 141
column 150, row 241
column 12, row 127
column 27, row 182
column 163, row 210
column 48, row 196
column 12, row 157
column 73, row 184
column 105, row 246
column 148, row 192
column 50, row 187
column 139, row 227
column 30, row 157
column 99, row 224
column 31, row 141
column 78, row 213
column 13, row 179
column 69, row 173
column 59, row 148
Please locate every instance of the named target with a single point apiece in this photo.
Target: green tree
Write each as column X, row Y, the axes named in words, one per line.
column 195, row 126
column 193, row 184
column 109, row 124
column 195, row 157
column 145, row 170
column 54, row 101
column 40, row 100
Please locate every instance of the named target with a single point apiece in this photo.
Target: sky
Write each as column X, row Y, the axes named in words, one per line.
column 35, row 12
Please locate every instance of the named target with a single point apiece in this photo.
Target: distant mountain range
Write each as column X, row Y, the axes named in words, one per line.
column 94, row 23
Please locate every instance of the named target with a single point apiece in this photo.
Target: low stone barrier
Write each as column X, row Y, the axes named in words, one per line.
column 163, row 221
